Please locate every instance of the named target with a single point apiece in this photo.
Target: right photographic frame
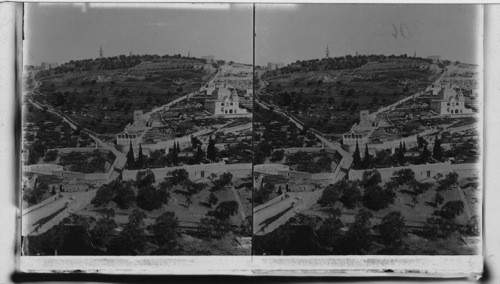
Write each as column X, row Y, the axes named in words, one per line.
column 367, row 130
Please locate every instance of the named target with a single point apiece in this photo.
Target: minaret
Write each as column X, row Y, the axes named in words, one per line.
column 327, row 52
column 100, row 51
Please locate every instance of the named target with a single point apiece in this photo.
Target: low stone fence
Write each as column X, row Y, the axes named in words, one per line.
column 194, row 171
column 80, row 150
column 307, row 150
column 421, row 171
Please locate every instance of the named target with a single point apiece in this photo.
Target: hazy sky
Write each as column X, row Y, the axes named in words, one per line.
column 286, row 33
column 61, row 32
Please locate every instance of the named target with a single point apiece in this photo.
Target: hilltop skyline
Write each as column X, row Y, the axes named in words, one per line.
column 63, row 32
column 287, row 33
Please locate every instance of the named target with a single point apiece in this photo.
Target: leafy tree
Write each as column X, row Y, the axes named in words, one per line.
column 224, row 180
column 403, row 176
column 35, row 195
column 132, row 239
column 51, row 155
column 166, row 185
column 277, row 155
column 332, row 193
column 101, row 232
column 420, row 187
column 450, row 180
column 351, row 195
column 392, row 231
column 211, row 150
column 224, row 210
column 195, row 142
column 358, row 239
column 376, row 198
column 103, row 196
column 179, row 176
column 438, row 199
column 145, row 179
column 193, row 187
column 166, row 231
column 259, row 157
column 130, row 157
column 148, row 198
column 437, row 228
column 329, row 232
column 212, row 199
column 450, row 210
column 125, row 195
column 371, row 178
column 212, row 227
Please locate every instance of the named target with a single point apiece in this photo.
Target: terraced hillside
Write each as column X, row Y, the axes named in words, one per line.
column 103, row 100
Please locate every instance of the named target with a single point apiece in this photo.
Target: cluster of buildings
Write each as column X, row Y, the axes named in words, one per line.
column 43, row 66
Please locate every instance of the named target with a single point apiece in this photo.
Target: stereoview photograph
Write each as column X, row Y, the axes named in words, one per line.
column 366, row 134
column 137, row 130
column 271, row 130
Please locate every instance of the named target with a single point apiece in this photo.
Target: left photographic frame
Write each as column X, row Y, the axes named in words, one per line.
column 136, row 131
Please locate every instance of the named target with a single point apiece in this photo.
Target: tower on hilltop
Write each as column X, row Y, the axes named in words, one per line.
column 100, row 51
column 327, row 52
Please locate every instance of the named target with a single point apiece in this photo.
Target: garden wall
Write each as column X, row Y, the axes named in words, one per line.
column 195, row 171
column 421, row 171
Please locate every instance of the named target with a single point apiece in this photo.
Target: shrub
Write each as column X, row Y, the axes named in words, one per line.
column 376, row 198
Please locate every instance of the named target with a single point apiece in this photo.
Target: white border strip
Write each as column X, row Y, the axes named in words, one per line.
column 349, row 266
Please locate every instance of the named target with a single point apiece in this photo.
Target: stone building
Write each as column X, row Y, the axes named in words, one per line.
column 449, row 100
column 225, row 101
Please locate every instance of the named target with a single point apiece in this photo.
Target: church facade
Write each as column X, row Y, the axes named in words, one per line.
column 449, row 100
column 224, row 101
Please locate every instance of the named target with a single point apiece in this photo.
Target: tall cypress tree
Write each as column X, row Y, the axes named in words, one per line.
column 356, row 158
column 130, row 157
column 404, row 147
column 175, row 157
column 211, row 152
column 140, row 158
column 426, row 154
column 436, row 150
column 366, row 158
column 200, row 154
column 401, row 156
